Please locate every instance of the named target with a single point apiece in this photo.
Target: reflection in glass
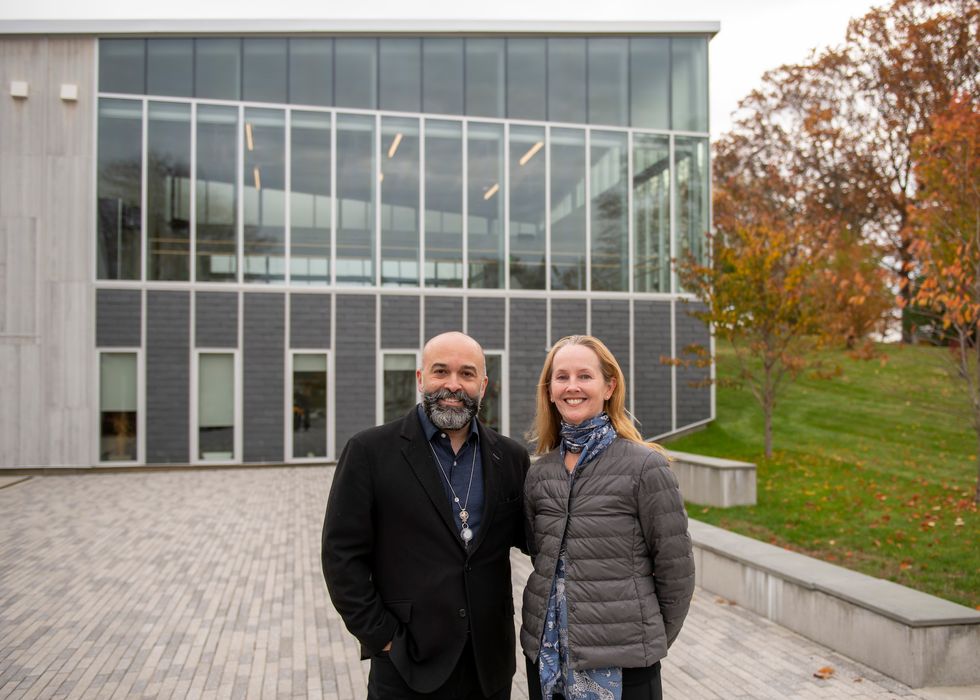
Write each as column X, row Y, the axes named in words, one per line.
column 168, row 191
column 485, row 237
column 651, row 213
column 567, row 209
column 691, row 178
column 121, row 65
column 399, row 202
column 217, row 202
column 309, row 405
column 264, row 195
column 528, row 207
column 117, row 407
column 356, row 64
column 566, row 80
column 650, row 82
column 356, row 178
column 264, row 70
column 120, row 166
column 217, row 68
column 490, row 408
column 609, row 211
column 442, row 75
column 311, row 71
column 400, row 74
column 526, row 88
column 170, row 67
column 399, row 385
column 485, row 77
column 689, row 83
column 310, row 198
column 443, row 203
column 216, row 406
column 608, row 81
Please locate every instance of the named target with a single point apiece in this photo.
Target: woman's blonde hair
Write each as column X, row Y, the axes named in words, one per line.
column 547, row 419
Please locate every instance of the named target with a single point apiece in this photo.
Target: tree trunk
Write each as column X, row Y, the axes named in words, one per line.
column 767, row 402
column 976, row 494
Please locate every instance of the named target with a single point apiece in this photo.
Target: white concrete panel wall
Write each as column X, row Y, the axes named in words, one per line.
column 47, row 164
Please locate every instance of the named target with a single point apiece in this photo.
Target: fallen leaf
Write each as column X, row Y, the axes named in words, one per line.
column 824, row 673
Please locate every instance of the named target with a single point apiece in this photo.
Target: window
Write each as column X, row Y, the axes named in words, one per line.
column 691, row 181
column 491, row 408
column 264, row 70
column 120, row 164
column 399, row 202
column 216, row 406
column 567, row 209
column 442, row 75
column 443, row 203
column 526, row 86
column 485, row 145
column 650, row 82
column 121, row 65
column 356, row 73
column 264, row 195
column 485, row 77
column 218, row 68
column 608, row 83
column 609, row 211
column 398, row 384
column 170, row 67
column 689, row 83
column 217, row 193
column 310, row 198
column 356, row 178
column 651, row 213
column 118, row 401
column 400, row 74
column 309, row 409
column 311, row 71
column 528, row 209
column 168, row 191
column 566, row 80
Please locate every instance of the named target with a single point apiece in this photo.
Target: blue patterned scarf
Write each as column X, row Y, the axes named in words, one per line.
column 589, row 437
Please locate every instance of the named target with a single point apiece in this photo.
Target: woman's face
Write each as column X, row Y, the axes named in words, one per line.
column 578, row 389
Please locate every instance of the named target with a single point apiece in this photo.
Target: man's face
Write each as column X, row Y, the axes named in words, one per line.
column 452, row 381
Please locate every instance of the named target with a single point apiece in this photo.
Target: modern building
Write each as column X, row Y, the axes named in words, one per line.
column 225, row 242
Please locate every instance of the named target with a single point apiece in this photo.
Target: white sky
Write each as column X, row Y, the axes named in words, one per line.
column 755, row 35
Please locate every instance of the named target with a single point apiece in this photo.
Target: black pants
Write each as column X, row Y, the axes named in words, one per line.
column 638, row 683
column 385, row 683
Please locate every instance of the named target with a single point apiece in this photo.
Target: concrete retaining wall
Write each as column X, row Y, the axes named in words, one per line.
column 711, row 481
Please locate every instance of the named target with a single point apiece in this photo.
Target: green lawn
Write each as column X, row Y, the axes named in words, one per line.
column 874, row 470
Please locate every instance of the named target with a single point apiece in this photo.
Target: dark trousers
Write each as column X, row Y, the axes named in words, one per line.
column 385, row 683
column 638, row 683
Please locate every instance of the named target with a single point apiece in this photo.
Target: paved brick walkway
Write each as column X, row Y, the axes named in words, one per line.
column 207, row 584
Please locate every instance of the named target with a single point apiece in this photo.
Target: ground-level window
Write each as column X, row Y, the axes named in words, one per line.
column 118, row 401
column 398, row 384
column 490, row 408
column 309, row 405
column 216, row 406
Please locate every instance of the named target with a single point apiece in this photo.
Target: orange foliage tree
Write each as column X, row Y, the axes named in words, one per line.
column 946, row 219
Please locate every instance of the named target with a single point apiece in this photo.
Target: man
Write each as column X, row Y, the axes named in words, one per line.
column 420, row 520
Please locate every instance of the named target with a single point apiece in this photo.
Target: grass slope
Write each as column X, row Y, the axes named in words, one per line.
column 874, row 470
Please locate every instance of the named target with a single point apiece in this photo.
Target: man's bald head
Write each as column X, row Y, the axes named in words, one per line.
column 453, row 342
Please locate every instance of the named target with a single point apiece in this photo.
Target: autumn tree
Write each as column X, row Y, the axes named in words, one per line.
column 946, row 220
column 757, row 289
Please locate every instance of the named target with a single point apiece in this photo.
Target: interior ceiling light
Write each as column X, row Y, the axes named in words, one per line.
column 258, row 178
column 248, row 136
column 530, row 152
column 492, row 191
column 394, row 145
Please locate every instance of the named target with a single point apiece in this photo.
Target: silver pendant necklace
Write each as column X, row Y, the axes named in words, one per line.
column 464, row 515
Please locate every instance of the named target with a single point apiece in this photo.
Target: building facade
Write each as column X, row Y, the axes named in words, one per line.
column 228, row 244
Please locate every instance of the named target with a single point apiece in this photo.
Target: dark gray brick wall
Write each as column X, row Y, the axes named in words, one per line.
column 355, row 365
column 216, row 319
column 693, row 391
column 611, row 325
column 399, row 322
column 117, row 318
column 568, row 317
column 168, row 358
column 263, row 343
column 486, row 321
column 528, row 347
column 651, row 391
column 309, row 321
column 443, row 314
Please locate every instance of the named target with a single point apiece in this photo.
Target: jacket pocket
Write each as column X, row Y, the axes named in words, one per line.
column 401, row 609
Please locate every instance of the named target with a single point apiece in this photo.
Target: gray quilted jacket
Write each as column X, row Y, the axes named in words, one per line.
column 630, row 568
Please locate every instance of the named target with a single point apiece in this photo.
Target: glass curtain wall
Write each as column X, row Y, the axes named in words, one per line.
column 568, row 218
column 399, row 202
column 651, row 213
column 356, row 183
column 443, row 203
column 485, row 201
column 691, row 174
column 310, row 197
column 528, row 207
column 609, row 211
column 264, row 195
column 216, row 200
column 168, row 191
column 119, row 201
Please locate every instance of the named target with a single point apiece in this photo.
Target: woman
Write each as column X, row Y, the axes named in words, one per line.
column 613, row 568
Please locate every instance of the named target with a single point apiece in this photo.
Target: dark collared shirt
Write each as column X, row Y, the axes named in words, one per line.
column 456, row 467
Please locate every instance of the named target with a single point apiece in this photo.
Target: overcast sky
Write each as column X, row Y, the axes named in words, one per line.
column 755, row 35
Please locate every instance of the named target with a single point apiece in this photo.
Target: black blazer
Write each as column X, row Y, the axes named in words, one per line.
column 396, row 568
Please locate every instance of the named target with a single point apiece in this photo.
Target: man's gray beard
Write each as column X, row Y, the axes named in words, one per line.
column 450, row 417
